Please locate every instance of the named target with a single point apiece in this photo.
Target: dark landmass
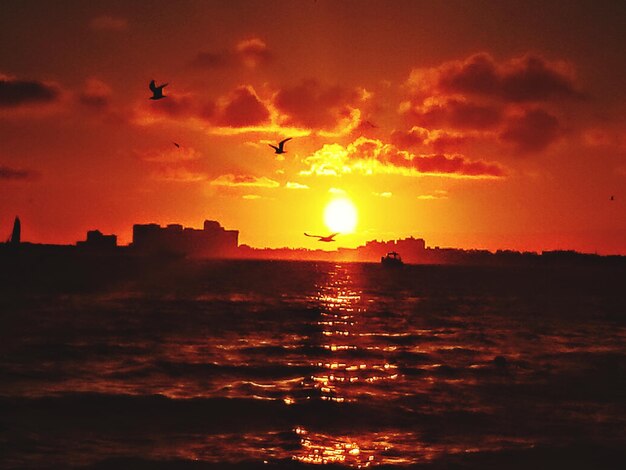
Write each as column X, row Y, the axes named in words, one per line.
column 214, row 242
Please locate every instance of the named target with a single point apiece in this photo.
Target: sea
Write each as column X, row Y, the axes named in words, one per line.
column 292, row 365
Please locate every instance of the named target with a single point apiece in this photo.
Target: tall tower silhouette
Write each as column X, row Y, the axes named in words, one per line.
column 17, row 231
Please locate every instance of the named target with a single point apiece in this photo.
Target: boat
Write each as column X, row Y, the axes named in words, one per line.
column 391, row 259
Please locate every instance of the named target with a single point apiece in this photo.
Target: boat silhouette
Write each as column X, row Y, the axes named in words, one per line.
column 391, row 259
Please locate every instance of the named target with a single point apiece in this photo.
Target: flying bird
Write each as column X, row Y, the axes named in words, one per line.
column 157, row 91
column 176, row 144
column 612, row 198
column 281, row 146
column 329, row 238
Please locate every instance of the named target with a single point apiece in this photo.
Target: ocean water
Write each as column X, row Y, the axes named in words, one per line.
column 258, row 364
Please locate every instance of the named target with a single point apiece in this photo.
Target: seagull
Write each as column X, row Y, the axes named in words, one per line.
column 157, row 91
column 281, row 146
column 329, row 238
column 176, row 144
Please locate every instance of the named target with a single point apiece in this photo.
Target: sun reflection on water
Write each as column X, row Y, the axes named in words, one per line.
column 347, row 374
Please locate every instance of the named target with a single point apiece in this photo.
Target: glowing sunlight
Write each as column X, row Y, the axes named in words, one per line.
column 340, row 216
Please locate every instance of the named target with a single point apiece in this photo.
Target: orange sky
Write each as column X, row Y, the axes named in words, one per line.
column 472, row 124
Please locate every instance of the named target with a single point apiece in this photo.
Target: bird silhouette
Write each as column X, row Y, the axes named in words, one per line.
column 176, row 144
column 612, row 198
column 329, row 238
column 157, row 91
column 281, row 146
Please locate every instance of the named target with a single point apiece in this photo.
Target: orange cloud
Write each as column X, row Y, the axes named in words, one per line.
column 314, row 106
column 95, row 94
column 178, row 175
column 293, row 185
column 438, row 194
column 252, row 52
column 439, row 140
column 242, row 108
column 370, row 156
column 230, row 180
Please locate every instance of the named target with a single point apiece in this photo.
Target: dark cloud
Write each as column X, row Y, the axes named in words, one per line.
column 243, row 108
column 527, row 78
column 8, row 173
column 312, row 105
column 249, row 52
column 456, row 114
column 534, row 130
column 175, row 106
column 212, row 60
column 15, row 92
column 532, row 78
column 456, row 164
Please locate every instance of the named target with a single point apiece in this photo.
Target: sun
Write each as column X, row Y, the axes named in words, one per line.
column 340, row 215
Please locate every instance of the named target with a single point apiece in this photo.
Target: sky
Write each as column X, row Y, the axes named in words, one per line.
column 471, row 124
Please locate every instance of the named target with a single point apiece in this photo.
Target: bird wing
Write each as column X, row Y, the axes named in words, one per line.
column 164, row 85
column 333, row 235
column 281, row 144
column 153, row 87
column 273, row 146
column 314, row 236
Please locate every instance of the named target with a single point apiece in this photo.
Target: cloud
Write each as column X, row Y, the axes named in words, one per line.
column 108, row 23
column 251, row 196
column 95, row 94
column 293, row 185
column 337, row 191
column 533, row 130
column 15, row 92
column 252, row 52
column 370, row 156
column 455, row 113
column 211, row 60
column 438, row 139
column 230, row 180
column 178, row 174
column 16, row 174
column 522, row 79
column 314, row 106
column 385, row 194
column 242, row 108
column 438, row 194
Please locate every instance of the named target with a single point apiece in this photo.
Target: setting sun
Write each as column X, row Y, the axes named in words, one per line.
column 340, row 216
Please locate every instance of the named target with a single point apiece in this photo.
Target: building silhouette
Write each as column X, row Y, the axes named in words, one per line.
column 213, row 241
column 16, row 234
column 97, row 241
